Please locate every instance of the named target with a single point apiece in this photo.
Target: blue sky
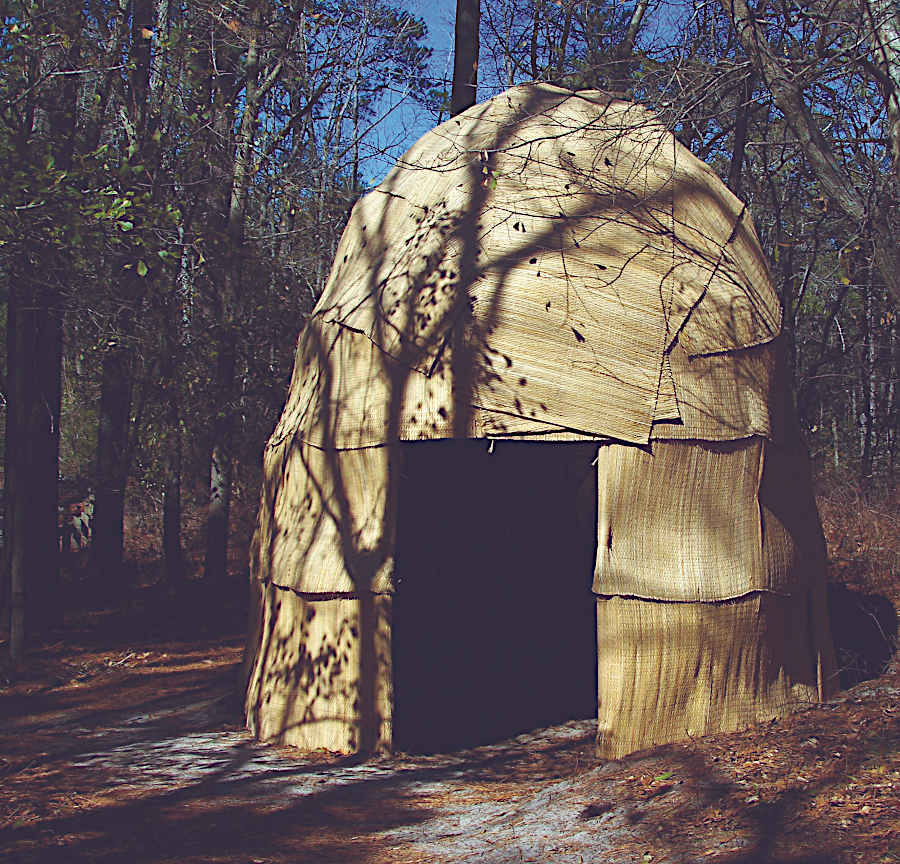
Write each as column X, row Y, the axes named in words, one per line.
column 438, row 15
column 407, row 122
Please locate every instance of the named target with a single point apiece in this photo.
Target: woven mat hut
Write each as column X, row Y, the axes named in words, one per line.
column 555, row 267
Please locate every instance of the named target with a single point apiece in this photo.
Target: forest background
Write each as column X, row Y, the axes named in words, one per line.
column 174, row 178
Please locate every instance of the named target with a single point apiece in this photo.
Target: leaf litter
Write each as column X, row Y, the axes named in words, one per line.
column 122, row 740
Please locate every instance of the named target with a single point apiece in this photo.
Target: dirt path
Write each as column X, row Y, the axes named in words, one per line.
column 124, row 743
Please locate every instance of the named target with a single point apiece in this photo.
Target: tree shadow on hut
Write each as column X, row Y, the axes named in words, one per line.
column 494, row 618
column 464, row 319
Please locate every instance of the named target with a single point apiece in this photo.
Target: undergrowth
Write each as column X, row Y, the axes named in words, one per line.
column 862, row 528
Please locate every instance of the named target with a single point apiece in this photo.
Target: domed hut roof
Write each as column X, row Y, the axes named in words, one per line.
column 550, row 266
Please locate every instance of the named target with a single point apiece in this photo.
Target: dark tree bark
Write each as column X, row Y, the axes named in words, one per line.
column 10, row 474
column 742, row 120
column 143, row 23
column 465, row 56
column 172, row 551
column 221, row 472
column 624, row 52
column 111, row 471
column 231, row 206
column 37, row 276
column 868, row 370
column 116, row 373
column 21, row 386
column 44, row 430
column 169, row 372
column 34, row 532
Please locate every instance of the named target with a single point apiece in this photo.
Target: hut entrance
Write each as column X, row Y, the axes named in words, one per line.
column 494, row 628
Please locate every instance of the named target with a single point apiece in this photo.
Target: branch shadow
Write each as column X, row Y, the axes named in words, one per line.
column 409, row 345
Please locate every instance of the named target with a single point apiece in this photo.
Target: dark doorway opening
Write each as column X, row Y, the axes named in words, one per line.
column 494, row 629
column 864, row 629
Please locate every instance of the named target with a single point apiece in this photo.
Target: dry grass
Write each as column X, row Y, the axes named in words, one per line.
column 862, row 526
column 143, row 529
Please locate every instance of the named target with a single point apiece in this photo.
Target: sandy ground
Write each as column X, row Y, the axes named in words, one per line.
column 123, row 742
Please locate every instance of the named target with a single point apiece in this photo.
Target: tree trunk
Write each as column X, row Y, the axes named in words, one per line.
column 221, row 464
column 465, row 56
column 868, row 394
column 34, row 532
column 787, row 94
column 256, row 88
column 172, row 550
column 116, row 375
column 169, row 371
column 45, row 440
column 10, row 473
column 622, row 68
column 36, row 278
column 742, row 119
column 107, row 527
